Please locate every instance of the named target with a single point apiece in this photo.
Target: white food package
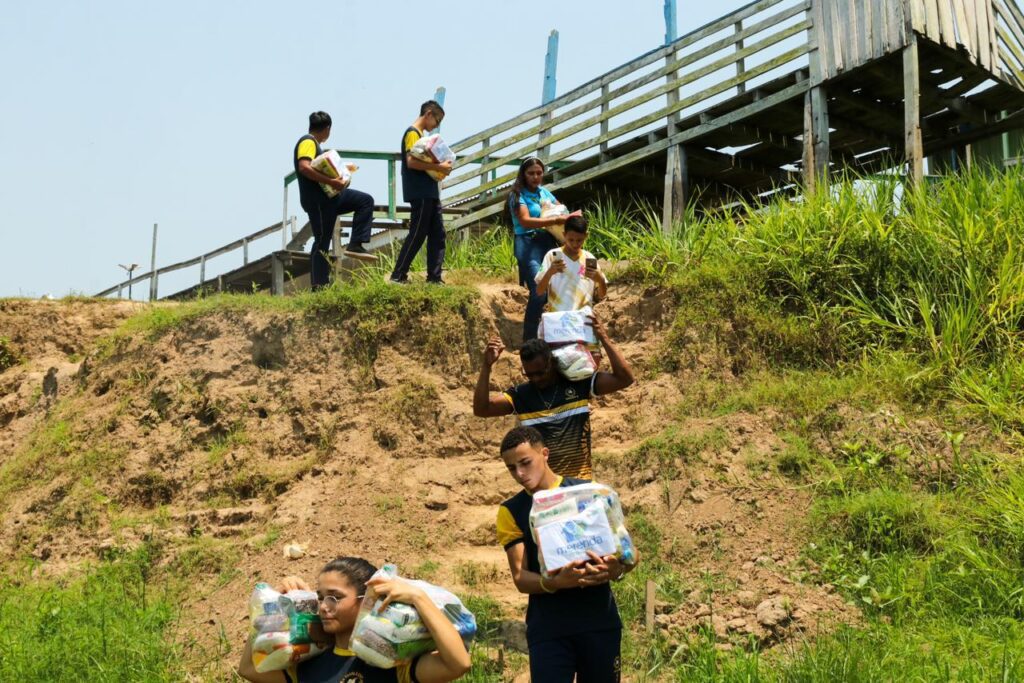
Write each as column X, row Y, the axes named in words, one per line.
column 330, row 164
column 433, row 150
column 568, row 521
column 561, row 327
column 575, row 361
column 549, row 209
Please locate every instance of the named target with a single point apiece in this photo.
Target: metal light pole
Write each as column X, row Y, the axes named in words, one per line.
column 130, row 268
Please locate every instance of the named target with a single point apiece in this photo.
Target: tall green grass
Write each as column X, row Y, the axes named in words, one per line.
column 115, row 623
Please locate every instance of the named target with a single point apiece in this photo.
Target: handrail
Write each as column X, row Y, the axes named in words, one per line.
column 201, row 260
column 1009, row 31
column 747, row 40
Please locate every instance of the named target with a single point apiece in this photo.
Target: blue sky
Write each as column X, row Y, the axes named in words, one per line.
column 117, row 115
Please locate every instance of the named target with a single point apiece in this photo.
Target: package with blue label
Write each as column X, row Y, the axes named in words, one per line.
column 569, row 521
column 280, row 626
column 385, row 637
column 565, row 327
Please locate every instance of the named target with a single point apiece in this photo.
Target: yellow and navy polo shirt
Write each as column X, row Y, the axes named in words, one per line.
column 330, row 667
column 550, row 616
column 561, row 413
column 310, row 192
column 415, row 184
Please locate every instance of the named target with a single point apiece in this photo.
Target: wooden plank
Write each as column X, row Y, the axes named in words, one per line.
column 821, row 58
column 946, row 25
column 896, row 24
column 595, row 84
column 984, row 33
column 687, row 135
column 649, row 600
column 622, row 90
column 849, row 32
column 912, row 113
column 836, row 31
column 970, row 33
column 637, row 101
column 931, row 19
column 654, row 116
column 960, row 14
column 862, row 31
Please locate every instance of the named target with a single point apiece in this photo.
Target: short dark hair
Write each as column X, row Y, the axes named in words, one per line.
column 433, row 107
column 535, row 348
column 520, row 435
column 576, row 224
column 319, row 120
column 355, row 569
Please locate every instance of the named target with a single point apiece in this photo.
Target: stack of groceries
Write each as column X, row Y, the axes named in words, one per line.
column 393, row 635
column 280, row 627
column 568, row 333
column 567, row 522
column 331, row 165
column 433, row 150
column 550, row 209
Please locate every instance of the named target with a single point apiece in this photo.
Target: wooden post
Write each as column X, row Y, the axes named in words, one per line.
column 670, row 21
column 548, row 94
column 650, row 597
column 487, row 157
column 284, row 217
column 676, row 187
column 670, row 35
column 740, row 63
column 277, row 275
column 245, row 252
column 816, row 138
column 202, row 269
column 152, row 269
column 220, row 283
column 605, row 105
column 912, row 111
column 392, row 204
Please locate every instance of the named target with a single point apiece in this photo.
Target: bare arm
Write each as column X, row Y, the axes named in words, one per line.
column 570, row 576
column 557, row 266
column 307, row 170
column 600, row 284
column 450, row 660
column 420, row 165
column 486, row 404
column 621, row 375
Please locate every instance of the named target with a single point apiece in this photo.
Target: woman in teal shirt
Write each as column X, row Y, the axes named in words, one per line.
column 532, row 240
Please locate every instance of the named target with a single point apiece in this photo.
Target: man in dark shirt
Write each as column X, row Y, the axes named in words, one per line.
column 323, row 211
column 559, row 408
column 572, row 622
column 424, row 197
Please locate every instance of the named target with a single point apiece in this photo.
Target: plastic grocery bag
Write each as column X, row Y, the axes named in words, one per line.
column 330, row 164
column 562, row 327
column 388, row 637
column 549, row 209
column 567, row 522
column 280, row 627
column 434, row 150
column 574, row 361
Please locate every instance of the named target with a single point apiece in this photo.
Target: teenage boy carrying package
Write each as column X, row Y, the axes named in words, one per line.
column 573, row 627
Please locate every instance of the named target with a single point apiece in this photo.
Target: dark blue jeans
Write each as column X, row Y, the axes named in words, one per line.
column 322, row 218
column 530, row 251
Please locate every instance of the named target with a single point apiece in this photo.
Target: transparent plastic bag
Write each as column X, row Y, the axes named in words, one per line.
column 575, row 361
column 387, row 637
column 433, row 149
column 568, row 521
column 549, row 209
column 279, row 627
column 330, row 164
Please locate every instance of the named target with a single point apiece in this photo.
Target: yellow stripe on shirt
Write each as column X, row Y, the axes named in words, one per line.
column 411, row 138
column 508, row 530
column 554, row 411
column 306, row 150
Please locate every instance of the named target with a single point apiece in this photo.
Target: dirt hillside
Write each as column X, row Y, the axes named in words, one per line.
column 232, row 434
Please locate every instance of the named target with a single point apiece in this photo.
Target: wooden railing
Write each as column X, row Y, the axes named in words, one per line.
column 1009, row 37
column 761, row 40
column 154, row 276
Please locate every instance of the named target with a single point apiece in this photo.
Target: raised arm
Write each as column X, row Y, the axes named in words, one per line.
column 551, row 266
column 485, row 403
column 450, row 660
column 621, row 375
column 529, row 222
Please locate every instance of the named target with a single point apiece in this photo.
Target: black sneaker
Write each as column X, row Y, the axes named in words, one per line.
column 359, row 251
column 393, row 281
column 438, row 281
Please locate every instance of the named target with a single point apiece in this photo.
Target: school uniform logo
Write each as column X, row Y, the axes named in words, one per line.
column 355, row 677
column 570, row 394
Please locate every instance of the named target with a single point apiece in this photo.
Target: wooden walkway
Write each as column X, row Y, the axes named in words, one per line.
column 775, row 92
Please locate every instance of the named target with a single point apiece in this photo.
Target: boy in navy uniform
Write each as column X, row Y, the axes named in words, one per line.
column 323, row 211
column 572, row 623
column 424, row 197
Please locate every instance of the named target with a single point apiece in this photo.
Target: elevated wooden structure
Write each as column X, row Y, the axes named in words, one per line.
column 774, row 92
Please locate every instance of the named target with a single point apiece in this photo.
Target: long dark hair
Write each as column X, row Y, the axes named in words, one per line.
column 520, row 183
column 355, row 569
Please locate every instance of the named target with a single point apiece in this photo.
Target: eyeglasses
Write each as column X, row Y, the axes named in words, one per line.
column 330, row 602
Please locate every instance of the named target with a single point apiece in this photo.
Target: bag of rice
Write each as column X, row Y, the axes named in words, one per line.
column 395, row 634
column 330, row 164
column 279, row 627
column 574, row 361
